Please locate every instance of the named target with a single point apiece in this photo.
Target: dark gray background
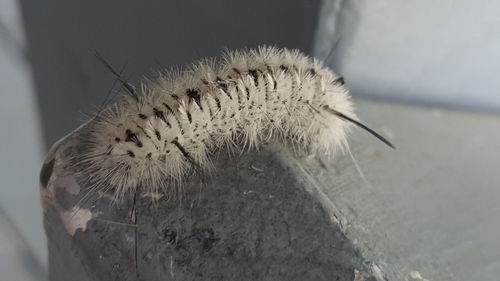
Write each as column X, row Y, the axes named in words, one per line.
column 142, row 37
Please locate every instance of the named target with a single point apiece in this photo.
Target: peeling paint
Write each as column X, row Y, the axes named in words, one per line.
column 75, row 219
column 69, row 183
column 46, row 198
column 415, row 276
column 57, row 182
column 363, row 276
column 59, row 178
column 56, row 164
column 373, row 274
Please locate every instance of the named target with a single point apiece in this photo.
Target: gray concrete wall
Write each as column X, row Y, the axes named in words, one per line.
column 142, row 37
column 427, row 52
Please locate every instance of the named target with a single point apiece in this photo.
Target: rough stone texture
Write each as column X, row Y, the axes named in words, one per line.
column 259, row 217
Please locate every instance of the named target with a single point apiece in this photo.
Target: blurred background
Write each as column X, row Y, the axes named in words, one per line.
column 426, row 71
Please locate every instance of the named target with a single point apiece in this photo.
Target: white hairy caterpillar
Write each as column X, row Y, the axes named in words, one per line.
column 152, row 138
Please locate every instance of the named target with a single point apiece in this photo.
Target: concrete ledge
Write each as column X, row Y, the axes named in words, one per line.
column 260, row 217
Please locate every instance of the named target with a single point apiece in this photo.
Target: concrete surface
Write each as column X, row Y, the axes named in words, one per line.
column 258, row 218
column 432, row 205
column 427, row 211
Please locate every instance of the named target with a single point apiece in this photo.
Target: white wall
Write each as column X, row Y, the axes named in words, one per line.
column 441, row 52
column 21, row 146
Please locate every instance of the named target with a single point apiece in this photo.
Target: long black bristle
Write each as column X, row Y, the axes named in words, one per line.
column 359, row 124
column 125, row 84
column 185, row 153
column 332, row 50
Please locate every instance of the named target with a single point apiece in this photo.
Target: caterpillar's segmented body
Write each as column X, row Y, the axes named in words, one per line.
column 246, row 98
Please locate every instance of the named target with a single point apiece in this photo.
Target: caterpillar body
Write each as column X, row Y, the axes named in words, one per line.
column 173, row 123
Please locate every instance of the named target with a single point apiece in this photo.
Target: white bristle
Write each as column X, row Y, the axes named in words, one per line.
column 247, row 98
